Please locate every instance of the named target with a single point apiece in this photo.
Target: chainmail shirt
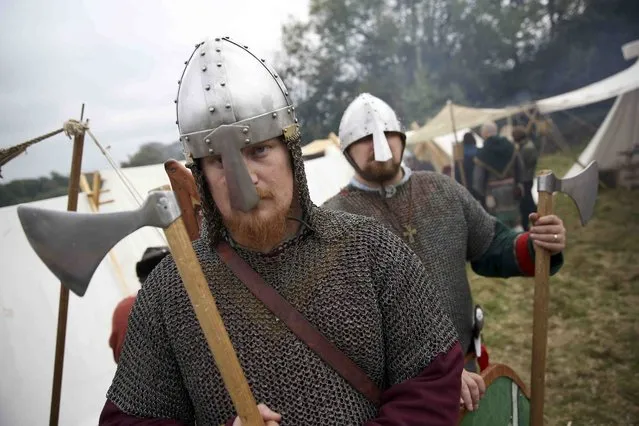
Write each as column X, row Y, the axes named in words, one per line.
column 350, row 277
column 450, row 228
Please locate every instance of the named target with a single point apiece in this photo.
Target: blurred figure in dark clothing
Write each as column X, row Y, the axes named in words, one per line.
column 470, row 150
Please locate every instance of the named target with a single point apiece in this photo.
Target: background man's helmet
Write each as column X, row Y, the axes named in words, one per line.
column 368, row 115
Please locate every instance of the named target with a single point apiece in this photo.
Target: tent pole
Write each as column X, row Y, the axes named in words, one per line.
column 567, row 150
column 458, row 150
column 563, row 146
column 72, row 205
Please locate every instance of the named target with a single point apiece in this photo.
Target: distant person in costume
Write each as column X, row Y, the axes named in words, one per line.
column 470, row 151
column 528, row 155
column 497, row 176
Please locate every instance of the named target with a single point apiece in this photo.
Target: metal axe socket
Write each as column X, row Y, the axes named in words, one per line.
column 72, row 245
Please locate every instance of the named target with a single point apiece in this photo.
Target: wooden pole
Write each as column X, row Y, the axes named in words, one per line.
column 72, row 205
column 458, row 151
column 211, row 323
column 540, row 318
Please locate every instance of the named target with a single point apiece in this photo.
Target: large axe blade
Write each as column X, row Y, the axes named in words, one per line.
column 72, row 245
column 582, row 188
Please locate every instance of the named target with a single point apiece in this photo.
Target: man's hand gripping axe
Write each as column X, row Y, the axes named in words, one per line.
column 582, row 188
column 72, row 245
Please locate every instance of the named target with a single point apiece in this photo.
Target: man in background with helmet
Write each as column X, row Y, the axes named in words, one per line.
column 350, row 277
column 437, row 218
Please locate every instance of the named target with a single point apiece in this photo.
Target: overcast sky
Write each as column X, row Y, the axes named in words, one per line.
column 122, row 58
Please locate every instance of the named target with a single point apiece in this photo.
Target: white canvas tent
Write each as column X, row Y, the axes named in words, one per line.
column 453, row 117
column 623, row 82
column 615, row 145
column 327, row 175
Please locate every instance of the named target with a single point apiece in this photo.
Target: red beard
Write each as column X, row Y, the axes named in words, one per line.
column 260, row 229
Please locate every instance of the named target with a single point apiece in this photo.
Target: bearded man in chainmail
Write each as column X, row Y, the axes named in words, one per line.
column 437, row 217
column 351, row 278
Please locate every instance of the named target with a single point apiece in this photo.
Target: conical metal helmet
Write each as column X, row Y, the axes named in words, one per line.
column 228, row 99
column 368, row 115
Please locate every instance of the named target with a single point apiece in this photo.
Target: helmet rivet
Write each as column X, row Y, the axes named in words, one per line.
column 245, row 130
column 219, row 64
column 228, row 106
column 217, row 39
column 210, row 150
column 246, row 47
column 263, row 60
column 292, row 108
column 186, row 138
column 275, row 75
column 247, row 140
column 204, row 68
column 296, row 120
column 207, row 140
column 218, row 49
column 175, row 101
column 288, row 110
column 222, row 84
column 202, row 53
column 176, row 122
column 285, row 93
column 274, row 115
column 207, row 87
column 211, row 109
column 179, row 81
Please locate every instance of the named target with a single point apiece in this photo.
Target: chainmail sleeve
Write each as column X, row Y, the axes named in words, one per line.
column 148, row 382
column 481, row 225
column 416, row 329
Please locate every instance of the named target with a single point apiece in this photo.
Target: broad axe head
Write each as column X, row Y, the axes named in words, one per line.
column 582, row 188
column 72, row 244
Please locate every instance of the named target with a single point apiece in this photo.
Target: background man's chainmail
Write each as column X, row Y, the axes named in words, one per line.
column 354, row 280
column 451, row 228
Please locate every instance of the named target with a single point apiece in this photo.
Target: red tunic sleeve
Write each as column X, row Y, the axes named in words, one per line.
column 111, row 416
column 431, row 398
column 119, row 325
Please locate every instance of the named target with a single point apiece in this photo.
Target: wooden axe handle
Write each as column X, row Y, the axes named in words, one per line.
column 183, row 185
column 211, row 323
column 540, row 320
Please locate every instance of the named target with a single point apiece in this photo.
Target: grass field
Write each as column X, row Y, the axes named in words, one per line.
column 593, row 339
